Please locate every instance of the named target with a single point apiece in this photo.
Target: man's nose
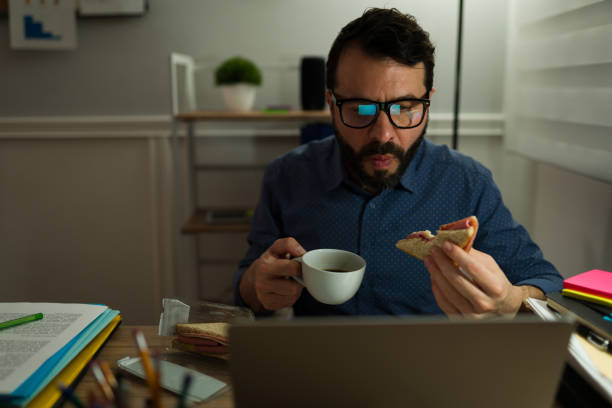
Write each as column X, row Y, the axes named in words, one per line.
column 382, row 130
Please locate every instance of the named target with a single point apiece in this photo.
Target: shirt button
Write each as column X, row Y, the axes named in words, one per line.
column 372, row 205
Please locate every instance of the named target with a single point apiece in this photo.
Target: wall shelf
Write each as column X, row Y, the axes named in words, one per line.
column 223, row 170
column 275, row 116
column 198, row 224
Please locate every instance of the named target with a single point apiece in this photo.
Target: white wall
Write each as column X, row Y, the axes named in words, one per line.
column 559, row 84
column 573, row 219
column 121, row 64
column 84, row 219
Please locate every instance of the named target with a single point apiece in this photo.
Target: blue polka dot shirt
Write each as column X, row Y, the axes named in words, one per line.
column 306, row 195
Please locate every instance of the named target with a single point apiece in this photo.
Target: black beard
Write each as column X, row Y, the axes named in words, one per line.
column 381, row 179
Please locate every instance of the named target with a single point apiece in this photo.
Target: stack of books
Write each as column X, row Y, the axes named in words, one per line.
column 587, row 298
column 594, row 286
column 52, row 345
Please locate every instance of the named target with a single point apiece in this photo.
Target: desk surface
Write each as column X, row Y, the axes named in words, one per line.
column 121, row 344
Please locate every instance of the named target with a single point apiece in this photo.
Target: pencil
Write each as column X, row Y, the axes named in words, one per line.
column 145, row 360
column 101, row 381
column 69, row 395
column 21, row 320
column 108, row 374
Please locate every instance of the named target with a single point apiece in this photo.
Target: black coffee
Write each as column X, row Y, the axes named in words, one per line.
column 335, row 270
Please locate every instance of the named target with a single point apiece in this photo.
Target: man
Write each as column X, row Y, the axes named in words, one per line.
column 377, row 180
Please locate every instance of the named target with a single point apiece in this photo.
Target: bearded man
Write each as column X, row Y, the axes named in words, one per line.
column 376, row 180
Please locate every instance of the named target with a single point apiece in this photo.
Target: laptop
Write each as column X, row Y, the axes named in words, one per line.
column 398, row 362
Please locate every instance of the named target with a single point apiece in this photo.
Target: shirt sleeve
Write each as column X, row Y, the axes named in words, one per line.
column 265, row 227
column 509, row 243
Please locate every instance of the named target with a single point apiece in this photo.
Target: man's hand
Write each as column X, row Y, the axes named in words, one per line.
column 487, row 292
column 265, row 284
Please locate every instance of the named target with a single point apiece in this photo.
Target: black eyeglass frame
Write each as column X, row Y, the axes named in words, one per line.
column 382, row 107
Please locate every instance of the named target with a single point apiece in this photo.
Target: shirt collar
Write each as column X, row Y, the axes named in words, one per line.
column 337, row 173
column 410, row 178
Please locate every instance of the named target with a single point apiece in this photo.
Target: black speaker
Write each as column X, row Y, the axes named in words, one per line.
column 312, row 83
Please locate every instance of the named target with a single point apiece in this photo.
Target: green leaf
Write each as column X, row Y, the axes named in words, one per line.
column 237, row 70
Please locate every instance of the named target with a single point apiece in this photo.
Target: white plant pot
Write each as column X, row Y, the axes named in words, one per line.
column 239, row 97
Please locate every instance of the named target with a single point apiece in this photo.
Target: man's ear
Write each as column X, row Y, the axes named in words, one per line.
column 431, row 92
column 330, row 104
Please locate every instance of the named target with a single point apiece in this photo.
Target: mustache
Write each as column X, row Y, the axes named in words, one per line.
column 380, row 148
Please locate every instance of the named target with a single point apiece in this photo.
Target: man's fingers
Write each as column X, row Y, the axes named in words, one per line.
column 272, row 286
column 281, row 247
column 446, row 289
column 276, row 294
column 281, row 268
column 455, row 272
column 486, row 274
column 444, row 304
column 279, row 286
column 276, row 302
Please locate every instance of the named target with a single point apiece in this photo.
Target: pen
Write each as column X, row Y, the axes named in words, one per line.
column 21, row 320
column 69, row 395
column 157, row 353
column 186, row 383
column 123, row 391
column 101, row 380
column 91, row 398
column 603, row 310
column 146, row 363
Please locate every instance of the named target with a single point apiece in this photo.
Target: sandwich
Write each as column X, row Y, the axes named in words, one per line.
column 461, row 233
column 209, row 339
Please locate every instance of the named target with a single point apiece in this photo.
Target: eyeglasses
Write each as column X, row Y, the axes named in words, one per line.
column 403, row 113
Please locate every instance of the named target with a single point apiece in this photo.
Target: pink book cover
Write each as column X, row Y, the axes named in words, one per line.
column 595, row 282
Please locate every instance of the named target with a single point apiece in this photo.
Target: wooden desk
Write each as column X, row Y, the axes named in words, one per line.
column 121, row 344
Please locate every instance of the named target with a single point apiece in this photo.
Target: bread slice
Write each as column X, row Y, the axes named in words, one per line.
column 221, row 352
column 208, row 339
column 461, row 233
column 217, row 332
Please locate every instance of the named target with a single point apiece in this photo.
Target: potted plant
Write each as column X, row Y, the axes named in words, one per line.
column 238, row 78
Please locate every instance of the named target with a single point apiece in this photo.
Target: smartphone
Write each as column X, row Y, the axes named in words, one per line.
column 203, row 387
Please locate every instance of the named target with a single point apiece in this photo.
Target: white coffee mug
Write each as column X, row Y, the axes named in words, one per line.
column 332, row 276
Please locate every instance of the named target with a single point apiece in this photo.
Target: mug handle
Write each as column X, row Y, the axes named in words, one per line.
column 295, row 278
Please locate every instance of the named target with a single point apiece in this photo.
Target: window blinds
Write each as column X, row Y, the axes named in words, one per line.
column 558, row 97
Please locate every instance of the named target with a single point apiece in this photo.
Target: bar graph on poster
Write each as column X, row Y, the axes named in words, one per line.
column 36, row 24
column 34, row 29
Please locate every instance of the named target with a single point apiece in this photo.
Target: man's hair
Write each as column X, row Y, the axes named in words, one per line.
column 385, row 33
